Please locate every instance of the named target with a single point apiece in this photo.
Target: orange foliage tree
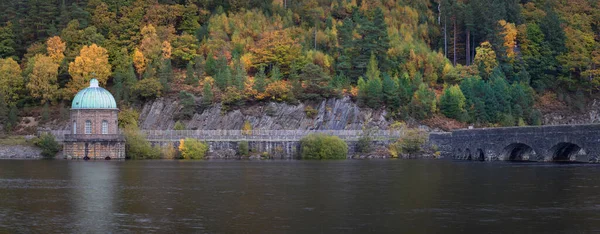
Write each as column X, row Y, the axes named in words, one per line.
column 92, row 62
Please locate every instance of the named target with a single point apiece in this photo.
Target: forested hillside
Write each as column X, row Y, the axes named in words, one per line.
column 487, row 62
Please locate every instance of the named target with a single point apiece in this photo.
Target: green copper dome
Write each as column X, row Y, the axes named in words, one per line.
column 94, row 97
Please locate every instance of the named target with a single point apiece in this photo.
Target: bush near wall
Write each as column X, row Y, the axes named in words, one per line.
column 137, row 146
column 191, row 148
column 48, row 145
column 321, row 146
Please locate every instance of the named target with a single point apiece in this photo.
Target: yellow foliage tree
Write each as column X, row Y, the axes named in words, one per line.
column 139, row 61
column 11, row 81
column 166, row 50
column 247, row 128
column 43, row 78
column 92, row 62
column 276, row 47
column 509, row 34
column 150, row 45
column 485, row 57
column 279, row 91
column 56, row 49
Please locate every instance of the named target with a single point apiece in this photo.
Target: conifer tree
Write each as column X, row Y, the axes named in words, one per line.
column 207, row 94
column 260, row 82
column 390, row 92
column 452, row 102
column 165, row 74
column 190, row 77
column 13, row 119
column 199, row 67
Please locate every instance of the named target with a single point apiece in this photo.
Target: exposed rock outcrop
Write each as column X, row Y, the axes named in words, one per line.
column 331, row 114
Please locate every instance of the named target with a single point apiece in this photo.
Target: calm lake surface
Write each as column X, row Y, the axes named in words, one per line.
column 352, row 196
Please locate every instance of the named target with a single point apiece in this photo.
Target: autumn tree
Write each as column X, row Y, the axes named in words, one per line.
column 11, row 81
column 56, row 48
column 485, row 58
column 139, row 61
column 42, row 80
column 275, row 48
column 92, row 62
column 509, row 34
column 150, row 46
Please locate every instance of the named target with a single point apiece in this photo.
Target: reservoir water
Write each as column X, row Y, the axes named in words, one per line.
column 351, row 196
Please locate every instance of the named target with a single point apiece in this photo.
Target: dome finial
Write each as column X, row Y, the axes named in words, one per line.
column 93, row 83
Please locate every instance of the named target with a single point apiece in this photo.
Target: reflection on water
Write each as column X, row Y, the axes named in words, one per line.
column 411, row 196
column 93, row 199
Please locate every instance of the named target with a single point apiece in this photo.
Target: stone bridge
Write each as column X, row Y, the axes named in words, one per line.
column 562, row 143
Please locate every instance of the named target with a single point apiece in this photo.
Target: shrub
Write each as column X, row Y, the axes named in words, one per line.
column 179, row 126
column 48, row 145
column 188, row 105
column 408, row 144
column 148, row 88
column 243, row 148
column 364, row 144
column 310, row 112
column 320, row 146
column 191, row 148
column 128, row 118
column 167, row 152
column 137, row 147
column 247, row 128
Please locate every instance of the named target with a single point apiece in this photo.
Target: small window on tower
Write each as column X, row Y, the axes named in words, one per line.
column 88, row 127
column 104, row 127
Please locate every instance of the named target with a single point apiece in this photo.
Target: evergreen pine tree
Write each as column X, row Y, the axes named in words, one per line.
column 13, row 119
column 199, row 64
column 239, row 77
column 405, row 91
column 165, row 74
column 210, row 66
column 207, row 95
column 190, row 77
column 260, row 82
column 223, row 78
column 374, row 93
column 276, row 73
column 3, row 109
column 452, row 102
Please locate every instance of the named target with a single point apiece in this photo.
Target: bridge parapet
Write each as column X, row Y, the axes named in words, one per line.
column 536, row 143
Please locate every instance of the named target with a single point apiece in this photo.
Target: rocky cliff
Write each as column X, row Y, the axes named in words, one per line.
column 331, row 114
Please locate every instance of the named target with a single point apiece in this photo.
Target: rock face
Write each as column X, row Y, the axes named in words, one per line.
column 19, row 151
column 331, row 114
column 590, row 115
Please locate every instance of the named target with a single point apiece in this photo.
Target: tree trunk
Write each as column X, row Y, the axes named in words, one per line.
column 468, row 51
column 445, row 39
column 454, row 42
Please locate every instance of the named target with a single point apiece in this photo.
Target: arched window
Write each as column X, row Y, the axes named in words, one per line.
column 88, row 127
column 74, row 127
column 104, row 127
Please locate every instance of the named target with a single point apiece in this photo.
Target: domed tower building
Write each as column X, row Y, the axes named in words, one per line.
column 94, row 130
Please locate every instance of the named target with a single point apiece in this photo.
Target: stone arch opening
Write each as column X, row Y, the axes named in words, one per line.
column 568, row 152
column 458, row 154
column 479, row 156
column 468, row 155
column 518, row 152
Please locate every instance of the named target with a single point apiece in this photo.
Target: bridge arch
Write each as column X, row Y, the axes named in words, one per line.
column 479, row 156
column 468, row 155
column 518, row 152
column 458, row 154
column 568, row 152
